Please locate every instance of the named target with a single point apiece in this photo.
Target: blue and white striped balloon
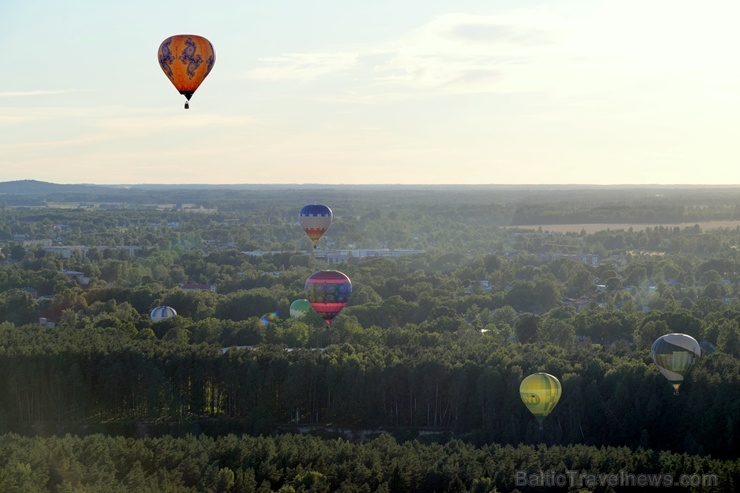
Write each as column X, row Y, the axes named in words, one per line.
column 161, row 312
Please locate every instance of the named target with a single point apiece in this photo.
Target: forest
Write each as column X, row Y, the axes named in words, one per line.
column 415, row 384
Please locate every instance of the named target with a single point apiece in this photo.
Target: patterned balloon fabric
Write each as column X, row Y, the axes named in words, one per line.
column 328, row 291
column 315, row 219
column 162, row 312
column 186, row 59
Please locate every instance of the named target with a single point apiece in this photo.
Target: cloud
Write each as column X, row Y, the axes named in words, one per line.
column 18, row 94
column 598, row 52
column 302, row 66
column 453, row 53
column 42, row 113
column 481, row 32
column 147, row 124
column 84, row 127
column 56, row 143
column 523, row 30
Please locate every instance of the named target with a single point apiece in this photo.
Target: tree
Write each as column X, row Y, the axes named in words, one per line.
column 604, row 326
column 728, row 338
column 613, row 284
column 647, row 332
column 528, row 328
column 548, row 293
column 713, row 290
column 558, row 332
column 522, row 296
column 711, row 276
column 17, row 253
column 492, row 263
column 18, row 307
column 579, row 283
column 635, row 276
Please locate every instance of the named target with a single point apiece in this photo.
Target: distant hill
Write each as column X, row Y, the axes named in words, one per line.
column 504, row 205
column 35, row 187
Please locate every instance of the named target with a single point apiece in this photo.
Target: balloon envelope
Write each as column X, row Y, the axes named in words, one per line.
column 315, row 220
column 674, row 355
column 540, row 392
column 161, row 312
column 186, row 59
column 328, row 292
column 299, row 308
column 266, row 319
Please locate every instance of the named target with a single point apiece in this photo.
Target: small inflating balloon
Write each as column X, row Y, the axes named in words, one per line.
column 162, row 312
column 299, row 308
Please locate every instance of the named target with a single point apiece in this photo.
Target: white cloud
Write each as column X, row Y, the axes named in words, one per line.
column 480, row 31
column 85, row 127
column 18, row 94
column 302, row 66
column 454, row 53
column 148, row 124
column 603, row 51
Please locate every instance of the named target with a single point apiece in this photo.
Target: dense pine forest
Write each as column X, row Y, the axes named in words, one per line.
column 458, row 293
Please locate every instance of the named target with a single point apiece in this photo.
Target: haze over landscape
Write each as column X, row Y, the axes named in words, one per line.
column 418, row 247
column 434, row 92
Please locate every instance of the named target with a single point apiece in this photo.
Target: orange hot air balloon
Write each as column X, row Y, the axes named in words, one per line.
column 186, row 59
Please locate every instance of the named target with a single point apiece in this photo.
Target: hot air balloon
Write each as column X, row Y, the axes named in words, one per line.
column 328, row 291
column 540, row 392
column 674, row 354
column 269, row 317
column 315, row 220
column 299, row 308
column 186, row 59
column 161, row 312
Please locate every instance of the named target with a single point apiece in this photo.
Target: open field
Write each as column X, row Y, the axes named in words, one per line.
column 593, row 228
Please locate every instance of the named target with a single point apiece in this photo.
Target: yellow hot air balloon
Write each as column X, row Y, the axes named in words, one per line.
column 186, row 59
column 540, row 392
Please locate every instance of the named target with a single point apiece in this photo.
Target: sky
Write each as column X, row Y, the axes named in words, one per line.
column 377, row 92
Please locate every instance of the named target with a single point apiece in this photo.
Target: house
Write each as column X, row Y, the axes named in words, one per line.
column 194, row 286
column 577, row 303
column 617, row 261
column 78, row 276
column 67, row 251
column 32, row 243
column 31, row 291
column 340, row 256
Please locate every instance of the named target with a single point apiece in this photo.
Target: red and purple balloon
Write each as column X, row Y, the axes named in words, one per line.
column 328, row 292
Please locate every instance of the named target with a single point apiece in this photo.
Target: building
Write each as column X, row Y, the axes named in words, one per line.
column 194, row 286
column 67, row 251
column 78, row 276
column 343, row 256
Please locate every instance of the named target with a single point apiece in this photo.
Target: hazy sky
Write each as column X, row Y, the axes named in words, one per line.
column 401, row 91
